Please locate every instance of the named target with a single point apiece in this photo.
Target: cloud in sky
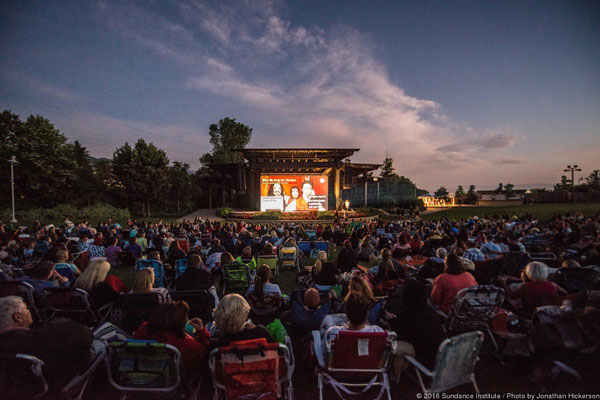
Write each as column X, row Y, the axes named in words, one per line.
column 297, row 85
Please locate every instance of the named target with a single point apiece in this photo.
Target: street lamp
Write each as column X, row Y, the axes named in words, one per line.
column 376, row 179
column 12, row 162
column 572, row 169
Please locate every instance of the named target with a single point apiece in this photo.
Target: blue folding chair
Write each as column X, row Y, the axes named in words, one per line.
column 65, row 270
column 160, row 277
column 304, row 247
column 322, row 246
column 312, row 235
column 180, row 267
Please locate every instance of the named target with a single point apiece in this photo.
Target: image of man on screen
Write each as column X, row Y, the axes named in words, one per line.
column 276, row 190
column 292, row 201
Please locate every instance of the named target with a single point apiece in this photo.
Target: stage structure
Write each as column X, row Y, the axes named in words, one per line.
column 286, row 179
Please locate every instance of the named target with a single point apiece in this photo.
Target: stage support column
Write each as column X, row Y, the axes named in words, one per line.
column 336, row 188
column 251, row 191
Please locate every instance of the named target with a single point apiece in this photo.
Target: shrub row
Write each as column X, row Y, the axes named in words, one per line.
column 96, row 211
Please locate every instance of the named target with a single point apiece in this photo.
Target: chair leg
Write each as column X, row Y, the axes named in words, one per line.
column 320, row 384
column 489, row 331
column 474, row 383
column 386, row 382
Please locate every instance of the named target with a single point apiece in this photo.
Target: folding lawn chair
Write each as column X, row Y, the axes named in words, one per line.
column 474, row 308
column 65, row 270
column 160, row 277
column 75, row 304
column 201, row 302
column 21, row 377
column 145, row 367
column 180, row 267
column 76, row 387
column 352, row 359
column 288, row 257
column 265, row 304
column 236, row 277
column 25, row 291
column 575, row 280
column 270, row 261
column 252, row 369
column 137, row 308
column 322, row 246
column 454, row 364
column 304, row 247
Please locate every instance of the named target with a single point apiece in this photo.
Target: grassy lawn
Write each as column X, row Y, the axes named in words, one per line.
column 543, row 212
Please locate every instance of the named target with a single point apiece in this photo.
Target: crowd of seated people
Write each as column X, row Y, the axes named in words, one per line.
column 429, row 263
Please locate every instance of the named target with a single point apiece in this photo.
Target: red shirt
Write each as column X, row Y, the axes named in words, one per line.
column 192, row 350
column 447, row 286
column 535, row 294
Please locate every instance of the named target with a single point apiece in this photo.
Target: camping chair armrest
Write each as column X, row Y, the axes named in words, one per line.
column 318, row 348
column 418, row 365
column 105, row 310
column 288, row 344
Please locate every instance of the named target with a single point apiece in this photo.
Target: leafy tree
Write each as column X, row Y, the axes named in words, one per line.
column 225, row 136
column 142, row 170
column 441, row 192
column 564, row 185
column 499, row 189
column 509, row 189
column 180, row 181
column 593, row 180
column 387, row 170
column 49, row 170
column 459, row 193
column 471, row 197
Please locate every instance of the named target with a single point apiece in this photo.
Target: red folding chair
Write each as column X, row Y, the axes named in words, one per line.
column 361, row 361
column 252, row 369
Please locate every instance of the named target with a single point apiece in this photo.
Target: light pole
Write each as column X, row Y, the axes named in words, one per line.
column 366, row 182
column 376, row 179
column 572, row 169
column 12, row 162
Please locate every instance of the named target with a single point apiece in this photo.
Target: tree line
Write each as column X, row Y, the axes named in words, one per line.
column 51, row 171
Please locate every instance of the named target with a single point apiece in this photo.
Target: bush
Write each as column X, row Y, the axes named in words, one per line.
column 224, row 212
column 97, row 211
column 268, row 215
column 326, row 215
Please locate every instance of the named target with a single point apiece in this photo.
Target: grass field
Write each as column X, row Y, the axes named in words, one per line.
column 543, row 212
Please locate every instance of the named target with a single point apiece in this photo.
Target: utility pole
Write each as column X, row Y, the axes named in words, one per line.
column 12, row 162
column 572, row 169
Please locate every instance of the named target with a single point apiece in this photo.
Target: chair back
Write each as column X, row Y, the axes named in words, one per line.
column 304, row 246
column 160, row 279
column 350, row 350
column 213, row 261
column 474, row 307
column 70, row 303
column 25, row 291
column 270, row 261
column 322, row 246
column 143, row 366
column 236, row 276
column 288, row 255
column 21, row 377
column 65, row 270
column 456, row 360
column 184, row 244
column 138, row 308
column 205, row 238
column 312, row 235
column 265, row 304
column 250, row 368
column 575, row 280
column 180, row 267
column 201, row 302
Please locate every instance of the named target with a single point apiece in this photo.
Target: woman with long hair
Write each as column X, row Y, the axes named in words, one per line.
column 144, row 282
column 366, row 249
column 263, row 283
column 101, row 287
column 387, row 270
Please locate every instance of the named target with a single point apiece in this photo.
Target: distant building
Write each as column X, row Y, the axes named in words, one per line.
column 494, row 195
